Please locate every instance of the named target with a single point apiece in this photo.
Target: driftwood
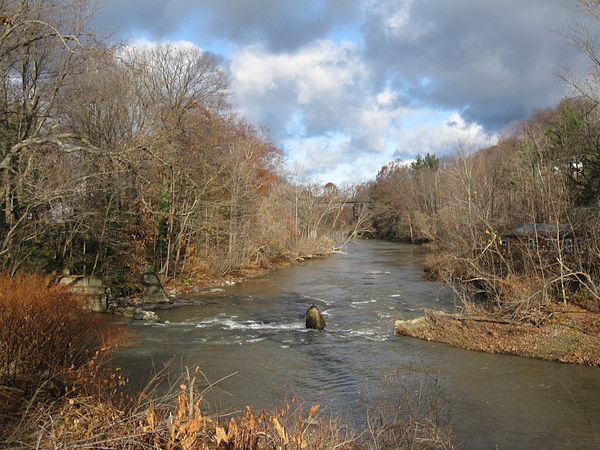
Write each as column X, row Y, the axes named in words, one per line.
column 461, row 317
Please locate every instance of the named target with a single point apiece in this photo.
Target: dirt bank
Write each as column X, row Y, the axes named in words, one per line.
column 211, row 281
column 571, row 335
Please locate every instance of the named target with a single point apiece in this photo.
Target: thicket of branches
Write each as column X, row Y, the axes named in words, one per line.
column 116, row 157
column 478, row 211
column 519, row 221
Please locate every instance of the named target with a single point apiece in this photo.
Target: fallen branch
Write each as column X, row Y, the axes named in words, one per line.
column 433, row 313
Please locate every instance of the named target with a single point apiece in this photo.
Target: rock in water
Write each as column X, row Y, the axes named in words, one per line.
column 314, row 319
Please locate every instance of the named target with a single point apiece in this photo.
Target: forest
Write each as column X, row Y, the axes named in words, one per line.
column 517, row 222
column 117, row 157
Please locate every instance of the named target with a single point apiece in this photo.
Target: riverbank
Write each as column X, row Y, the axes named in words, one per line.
column 85, row 401
column 136, row 307
column 255, row 330
column 208, row 281
column 570, row 335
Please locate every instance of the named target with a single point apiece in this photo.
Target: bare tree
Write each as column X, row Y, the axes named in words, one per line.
column 41, row 45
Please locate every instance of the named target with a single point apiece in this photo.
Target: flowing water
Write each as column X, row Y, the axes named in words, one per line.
column 255, row 332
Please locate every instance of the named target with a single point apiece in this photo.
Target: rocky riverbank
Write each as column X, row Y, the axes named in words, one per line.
column 570, row 335
column 143, row 306
column 211, row 283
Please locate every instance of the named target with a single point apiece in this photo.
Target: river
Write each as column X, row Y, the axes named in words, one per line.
column 254, row 332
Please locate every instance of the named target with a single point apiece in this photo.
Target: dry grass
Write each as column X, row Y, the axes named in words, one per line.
column 411, row 419
column 175, row 421
column 42, row 327
column 45, row 338
column 570, row 335
column 408, row 412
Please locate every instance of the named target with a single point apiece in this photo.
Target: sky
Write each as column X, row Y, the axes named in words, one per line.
column 345, row 86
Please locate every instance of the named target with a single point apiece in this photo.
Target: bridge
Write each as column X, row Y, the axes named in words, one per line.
column 357, row 207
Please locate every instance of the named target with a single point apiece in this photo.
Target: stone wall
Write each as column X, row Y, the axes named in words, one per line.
column 91, row 289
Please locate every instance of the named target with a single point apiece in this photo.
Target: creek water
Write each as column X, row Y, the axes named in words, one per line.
column 254, row 332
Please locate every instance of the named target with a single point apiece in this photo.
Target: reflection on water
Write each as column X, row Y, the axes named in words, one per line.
column 256, row 329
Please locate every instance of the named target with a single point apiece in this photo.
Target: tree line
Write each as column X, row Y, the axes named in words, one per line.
column 517, row 222
column 116, row 157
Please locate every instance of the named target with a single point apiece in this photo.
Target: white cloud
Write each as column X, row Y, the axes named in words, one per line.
column 319, row 82
column 145, row 44
column 442, row 138
column 373, row 122
column 321, row 108
column 335, row 158
column 318, row 154
column 386, row 97
column 322, row 88
column 320, row 105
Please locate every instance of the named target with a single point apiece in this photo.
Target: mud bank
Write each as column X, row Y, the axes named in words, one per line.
column 571, row 335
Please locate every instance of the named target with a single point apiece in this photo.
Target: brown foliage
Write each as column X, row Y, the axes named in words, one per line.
column 567, row 337
column 42, row 326
column 176, row 421
column 478, row 210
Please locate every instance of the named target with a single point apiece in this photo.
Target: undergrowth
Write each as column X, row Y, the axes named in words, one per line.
column 42, row 327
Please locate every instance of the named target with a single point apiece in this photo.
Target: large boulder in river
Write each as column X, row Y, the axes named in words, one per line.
column 153, row 288
column 314, row 319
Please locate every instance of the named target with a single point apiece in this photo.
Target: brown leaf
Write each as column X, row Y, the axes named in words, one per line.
column 232, row 430
column 150, row 418
column 221, row 435
column 182, row 406
column 194, row 425
column 281, row 431
column 313, row 410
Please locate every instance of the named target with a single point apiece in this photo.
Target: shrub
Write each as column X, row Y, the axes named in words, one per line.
column 42, row 327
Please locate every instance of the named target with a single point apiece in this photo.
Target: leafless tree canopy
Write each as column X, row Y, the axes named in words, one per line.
column 112, row 158
column 517, row 222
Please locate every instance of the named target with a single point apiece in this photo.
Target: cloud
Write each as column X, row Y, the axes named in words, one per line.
column 335, row 158
column 146, row 44
column 347, row 85
column 279, row 25
column 492, row 60
column 315, row 156
column 441, row 139
column 322, row 107
column 319, row 86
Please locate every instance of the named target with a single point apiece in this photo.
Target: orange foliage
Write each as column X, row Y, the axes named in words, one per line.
column 44, row 328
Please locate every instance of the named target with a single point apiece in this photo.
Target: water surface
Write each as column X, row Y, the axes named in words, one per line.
column 255, row 330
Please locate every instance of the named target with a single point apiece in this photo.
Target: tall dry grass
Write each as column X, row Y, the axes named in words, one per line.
column 176, row 420
column 408, row 412
column 412, row 418
column 42, row 327
column 48, row 345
